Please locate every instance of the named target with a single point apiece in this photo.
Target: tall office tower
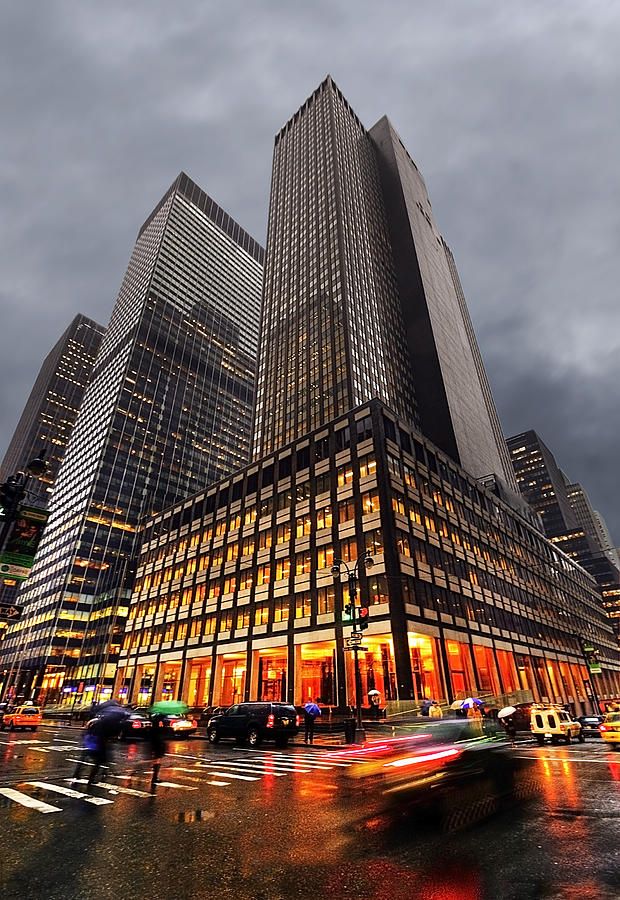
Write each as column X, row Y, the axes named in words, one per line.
column 592, row 522
column 362, row 298
column 455, row 405
column 52, row 407
column 235, row 597
column 168, row 411
column 332, row 332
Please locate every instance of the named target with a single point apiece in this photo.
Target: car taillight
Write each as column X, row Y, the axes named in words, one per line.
column 270, row 720
column 602, row 727
column 298, row 721
column 136, row 725
column 194, row 724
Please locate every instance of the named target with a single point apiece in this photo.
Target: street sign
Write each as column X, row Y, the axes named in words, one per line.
column 11, row 570
column 355, row 638
column 9, row 611
column 355, row 647
column 594, row 667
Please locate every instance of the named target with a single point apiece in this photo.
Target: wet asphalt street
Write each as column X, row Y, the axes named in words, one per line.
column 270, row 824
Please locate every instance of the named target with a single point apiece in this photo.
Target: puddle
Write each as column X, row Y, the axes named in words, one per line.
column 195, row 815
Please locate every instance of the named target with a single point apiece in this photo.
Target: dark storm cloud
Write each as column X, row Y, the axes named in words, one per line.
column 510, row 112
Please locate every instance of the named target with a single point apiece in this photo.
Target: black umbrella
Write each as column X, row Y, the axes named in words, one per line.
column 109, row 718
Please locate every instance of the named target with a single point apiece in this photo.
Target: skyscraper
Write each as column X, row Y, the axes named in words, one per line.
column 332, row 332
column 592, row 522
column 52, row 406
column 362, row 297
column 49, row 415
column 235, row 597
column 566, row 513
column 168, row 411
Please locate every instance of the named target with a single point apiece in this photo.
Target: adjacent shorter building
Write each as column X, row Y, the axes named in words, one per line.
column 235, row 597
column 168, row 410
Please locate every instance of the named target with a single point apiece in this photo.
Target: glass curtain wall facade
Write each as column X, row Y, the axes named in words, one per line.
column 52, row 407
column 234, row 597
column 49, row 415
column 332, row 332
column 168, row 411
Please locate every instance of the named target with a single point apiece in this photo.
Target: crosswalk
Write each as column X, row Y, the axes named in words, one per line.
column 180, row 772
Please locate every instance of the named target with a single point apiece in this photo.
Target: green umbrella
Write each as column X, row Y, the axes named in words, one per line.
column 172, row 707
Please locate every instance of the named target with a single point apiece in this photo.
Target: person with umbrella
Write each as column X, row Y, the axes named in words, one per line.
column 157, row 733
column 374, row 699
column 312, row 711
column 99, row 731
column 506, row 717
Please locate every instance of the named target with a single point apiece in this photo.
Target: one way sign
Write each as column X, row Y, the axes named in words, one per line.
column 10, row 612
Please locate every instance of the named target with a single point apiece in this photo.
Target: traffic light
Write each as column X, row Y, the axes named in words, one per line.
column 11, row 494
column 362, row 616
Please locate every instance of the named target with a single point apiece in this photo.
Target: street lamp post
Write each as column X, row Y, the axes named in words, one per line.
column 356, row 634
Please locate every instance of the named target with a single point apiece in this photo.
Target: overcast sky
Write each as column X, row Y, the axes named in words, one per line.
column 511, row 111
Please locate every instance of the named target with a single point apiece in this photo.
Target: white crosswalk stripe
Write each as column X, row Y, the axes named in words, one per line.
column 112, row 788
column 69, row 792
column 27, row 800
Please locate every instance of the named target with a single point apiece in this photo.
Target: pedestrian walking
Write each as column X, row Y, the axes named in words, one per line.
column 157, row 746
column 312, row 711
column 435, row 711
column 94, row 752
column 511, row 729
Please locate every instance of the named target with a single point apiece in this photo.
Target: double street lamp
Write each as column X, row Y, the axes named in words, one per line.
column 359, row 622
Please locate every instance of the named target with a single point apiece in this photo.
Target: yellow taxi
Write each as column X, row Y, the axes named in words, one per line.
column 610, row 729
column 22, row 717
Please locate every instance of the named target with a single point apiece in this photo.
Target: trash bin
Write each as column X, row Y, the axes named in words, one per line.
column 349, row 731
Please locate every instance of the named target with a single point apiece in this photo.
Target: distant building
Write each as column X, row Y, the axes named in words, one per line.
column 49, row 415
column 567, row 515
column 167, row 412
column 592, row 522
column 52, row 407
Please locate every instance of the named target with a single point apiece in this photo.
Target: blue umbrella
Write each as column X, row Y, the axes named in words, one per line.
column 471, row 701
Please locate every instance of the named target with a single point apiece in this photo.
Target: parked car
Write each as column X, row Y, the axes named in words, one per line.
column 255, row 722
column 556, row 723
column 24, row 717
column 136, row 726
column 177, row 725
column 610, row 730
column 591, row 725
column 4, row 707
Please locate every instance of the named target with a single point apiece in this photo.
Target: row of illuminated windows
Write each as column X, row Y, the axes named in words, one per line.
column 226, row 553
column 299, row 606
column 304, row 563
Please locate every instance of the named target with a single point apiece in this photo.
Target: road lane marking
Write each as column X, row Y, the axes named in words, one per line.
column 30, row 802
column 560, row 759
column 235, row 775
column 113, row 788
column 82, row 762
column 249, row 767
column 69, row 792
column 284, row 760
column 218, row 783
column 173, row 784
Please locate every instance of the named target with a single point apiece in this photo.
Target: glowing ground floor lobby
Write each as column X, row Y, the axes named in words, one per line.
column 425, row 665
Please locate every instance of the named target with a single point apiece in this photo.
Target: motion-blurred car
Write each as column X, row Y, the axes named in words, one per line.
column 591, row 725
column 137, row 726
column 255, row 722
column 440, row 771
column 610, row 730
column 23, row 717
column 4, row 707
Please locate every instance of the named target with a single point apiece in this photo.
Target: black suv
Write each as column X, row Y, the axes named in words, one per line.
column 254, row 723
